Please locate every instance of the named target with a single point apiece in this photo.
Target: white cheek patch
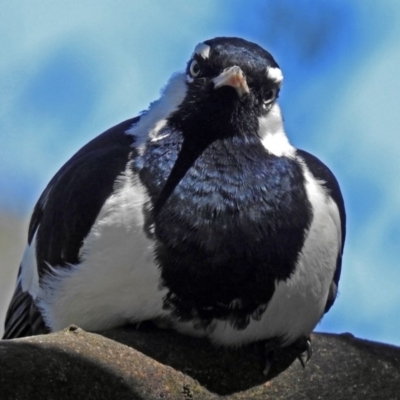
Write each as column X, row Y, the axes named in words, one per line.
column 272, row 133
column 202, row 50
column 275, row 75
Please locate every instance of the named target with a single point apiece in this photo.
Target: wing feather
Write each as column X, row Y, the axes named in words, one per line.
column 64, row 215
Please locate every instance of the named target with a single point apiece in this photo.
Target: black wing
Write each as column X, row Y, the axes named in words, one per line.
column 321, row 172
column 65, row 213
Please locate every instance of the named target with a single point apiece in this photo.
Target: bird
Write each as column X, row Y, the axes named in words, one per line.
column 197, row 214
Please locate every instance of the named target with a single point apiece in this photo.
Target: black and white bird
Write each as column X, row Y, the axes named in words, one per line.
column 198, row 213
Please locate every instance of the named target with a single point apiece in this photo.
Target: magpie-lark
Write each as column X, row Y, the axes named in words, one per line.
column 198, row 214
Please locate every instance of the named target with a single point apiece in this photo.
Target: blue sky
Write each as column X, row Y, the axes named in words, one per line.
column 69, row 70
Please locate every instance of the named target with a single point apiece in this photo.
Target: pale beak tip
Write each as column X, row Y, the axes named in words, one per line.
column 233, row 77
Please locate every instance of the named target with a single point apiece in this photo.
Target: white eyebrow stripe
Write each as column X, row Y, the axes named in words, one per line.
column 275, row 75
column 202, row 50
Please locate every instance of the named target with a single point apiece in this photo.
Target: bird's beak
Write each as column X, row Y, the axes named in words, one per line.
column 233, row 77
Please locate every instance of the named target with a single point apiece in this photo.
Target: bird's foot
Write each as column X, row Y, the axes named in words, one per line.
column 275, row 353
column 305, row 356
column 269, row 359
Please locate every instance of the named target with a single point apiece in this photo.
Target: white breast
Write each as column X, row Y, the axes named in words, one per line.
column 117, row 281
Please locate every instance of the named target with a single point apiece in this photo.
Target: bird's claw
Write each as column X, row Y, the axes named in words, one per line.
column 267, row 367
column 269, row 359
column 305, row 357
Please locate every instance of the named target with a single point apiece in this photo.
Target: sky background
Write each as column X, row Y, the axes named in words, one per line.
column 70, row 70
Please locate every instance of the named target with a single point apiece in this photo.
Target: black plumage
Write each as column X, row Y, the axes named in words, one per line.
column 199, row 213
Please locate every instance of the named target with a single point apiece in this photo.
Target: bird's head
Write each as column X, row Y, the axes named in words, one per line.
column 230, row 84
column 223, row 107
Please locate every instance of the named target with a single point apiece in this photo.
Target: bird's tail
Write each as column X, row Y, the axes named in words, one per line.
column 23, row 317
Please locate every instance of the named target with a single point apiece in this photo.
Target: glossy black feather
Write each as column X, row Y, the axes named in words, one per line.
column 233, row 225
column 23, row 317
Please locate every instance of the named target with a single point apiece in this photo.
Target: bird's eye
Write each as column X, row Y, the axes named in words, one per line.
column 194, row 69
column 270, row 96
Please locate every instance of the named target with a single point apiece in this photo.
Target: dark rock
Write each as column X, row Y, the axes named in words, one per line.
column 148, row 363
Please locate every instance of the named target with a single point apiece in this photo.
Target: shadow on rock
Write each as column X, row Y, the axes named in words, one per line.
column 220, row 370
